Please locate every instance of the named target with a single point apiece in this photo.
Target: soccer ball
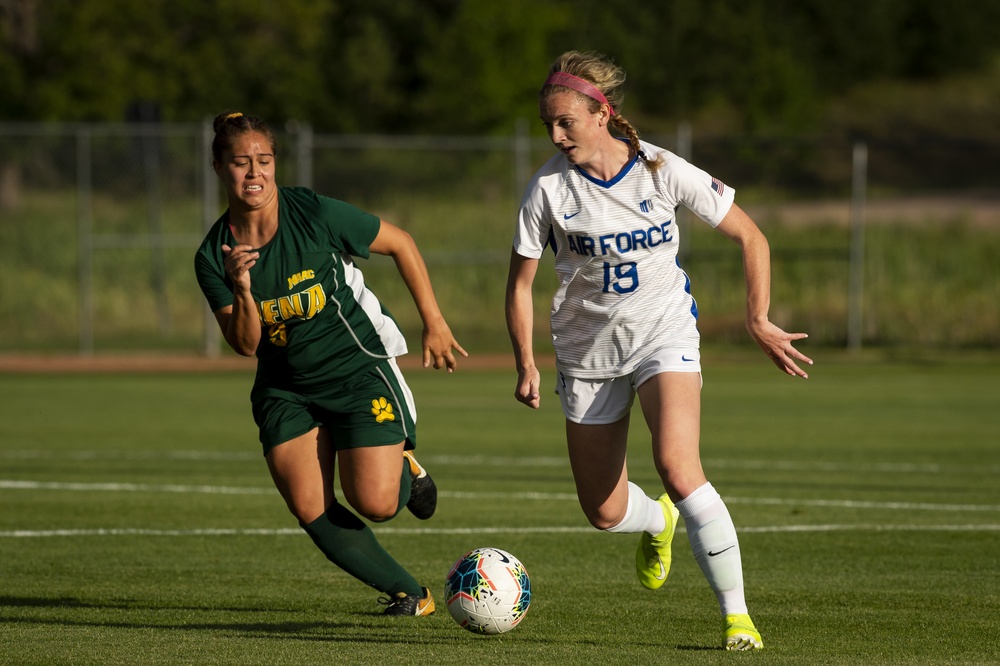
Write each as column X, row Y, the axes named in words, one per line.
column 487, row 591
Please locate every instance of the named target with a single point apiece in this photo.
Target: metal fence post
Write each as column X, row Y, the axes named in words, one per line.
column 859, row 178
column 149, row 147
column 304, row 155
column 209, row 212
column 85, row 250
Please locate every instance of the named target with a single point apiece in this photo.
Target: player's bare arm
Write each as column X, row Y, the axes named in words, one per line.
column 520, row 321
column 775, row 342
column 240, row 322
column 437, row 339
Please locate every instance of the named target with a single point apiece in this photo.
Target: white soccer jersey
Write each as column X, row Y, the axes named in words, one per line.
column 622, row 294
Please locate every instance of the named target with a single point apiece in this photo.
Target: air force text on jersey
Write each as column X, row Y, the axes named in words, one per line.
column 622, row 242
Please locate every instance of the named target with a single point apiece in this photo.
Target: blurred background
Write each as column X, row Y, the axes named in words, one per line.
column 863, row 137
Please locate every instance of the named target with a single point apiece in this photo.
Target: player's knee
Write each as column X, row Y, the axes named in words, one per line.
column 378, row 510
column 602, row 525
column 379, row 517
column 602, row 519
column 679, row 482
column 305, row 515
column 305, row 509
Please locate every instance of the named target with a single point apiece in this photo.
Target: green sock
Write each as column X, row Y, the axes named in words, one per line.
column 351, row 545
column 405, row 488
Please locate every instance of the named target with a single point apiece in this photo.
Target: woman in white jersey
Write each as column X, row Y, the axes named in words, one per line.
column 624, row 322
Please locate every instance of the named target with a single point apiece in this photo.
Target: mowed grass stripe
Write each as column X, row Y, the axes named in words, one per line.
column 520, row 461
column 433, row 531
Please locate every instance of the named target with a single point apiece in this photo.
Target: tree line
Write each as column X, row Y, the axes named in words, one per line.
column 469, row 66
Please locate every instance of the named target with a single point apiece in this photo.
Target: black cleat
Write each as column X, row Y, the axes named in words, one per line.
column 423, row 492
column 404, row 604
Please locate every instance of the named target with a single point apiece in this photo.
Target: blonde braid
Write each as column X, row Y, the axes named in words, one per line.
column 630, row 133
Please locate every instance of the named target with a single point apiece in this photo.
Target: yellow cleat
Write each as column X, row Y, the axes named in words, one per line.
column 740, row 634
column 652, row 557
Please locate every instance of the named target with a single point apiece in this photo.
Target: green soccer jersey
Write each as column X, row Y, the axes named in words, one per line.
column 321, row 323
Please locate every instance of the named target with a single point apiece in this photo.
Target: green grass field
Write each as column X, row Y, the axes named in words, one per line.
column 139, row 525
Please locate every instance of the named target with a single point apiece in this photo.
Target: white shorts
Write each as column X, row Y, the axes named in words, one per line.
column 603, row 401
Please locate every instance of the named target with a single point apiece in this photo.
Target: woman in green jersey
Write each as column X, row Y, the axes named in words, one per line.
column 278, row 271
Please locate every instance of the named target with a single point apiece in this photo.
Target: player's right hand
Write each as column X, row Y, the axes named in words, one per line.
column 238, row 261
column 528, row 381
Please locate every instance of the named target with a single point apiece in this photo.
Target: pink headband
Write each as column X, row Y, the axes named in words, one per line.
column 579, row 85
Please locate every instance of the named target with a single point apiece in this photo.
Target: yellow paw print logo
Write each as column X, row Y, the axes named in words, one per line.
column 278, row 335
column 382, row 410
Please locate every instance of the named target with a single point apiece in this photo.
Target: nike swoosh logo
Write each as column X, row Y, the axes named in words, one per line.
column 711, row 554
column 688, row 360
column 663, row 572
column 566, row 217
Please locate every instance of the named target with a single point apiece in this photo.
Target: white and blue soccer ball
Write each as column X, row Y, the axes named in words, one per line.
column 488, row 591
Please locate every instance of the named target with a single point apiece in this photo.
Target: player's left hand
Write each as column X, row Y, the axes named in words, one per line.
column 438, row 343
column 777, row 344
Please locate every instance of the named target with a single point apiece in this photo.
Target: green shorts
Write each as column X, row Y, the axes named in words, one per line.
column 371, row 409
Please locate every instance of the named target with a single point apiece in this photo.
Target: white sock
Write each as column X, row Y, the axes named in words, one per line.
column 643, row 514
column 713, row 540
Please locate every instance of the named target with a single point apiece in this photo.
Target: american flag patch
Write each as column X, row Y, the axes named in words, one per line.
column 718, row 186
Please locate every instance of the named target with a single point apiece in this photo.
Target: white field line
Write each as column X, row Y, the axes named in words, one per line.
column 12, row 484
column 477, row 461
column 525, row 496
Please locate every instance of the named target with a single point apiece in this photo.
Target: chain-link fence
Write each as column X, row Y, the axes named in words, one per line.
column 98, row 225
